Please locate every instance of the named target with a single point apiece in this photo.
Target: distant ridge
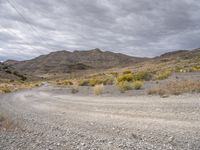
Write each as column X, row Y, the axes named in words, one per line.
column 66, row 62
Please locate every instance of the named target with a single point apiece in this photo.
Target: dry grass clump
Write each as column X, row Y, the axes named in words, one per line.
column 158, row 91
column 8, row 87
column 176, row 87
column 95, row 80
column 98, row 89
column 6, row 123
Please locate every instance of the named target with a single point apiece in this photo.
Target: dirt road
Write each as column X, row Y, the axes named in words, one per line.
column 51, row 119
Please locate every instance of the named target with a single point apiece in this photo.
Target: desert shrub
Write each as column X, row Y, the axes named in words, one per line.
column 142, row 76
column 36, row 85
column 124, row 86
column 108, row 80
column 5, row 89
column 64, row 82
column 125, row 77
column 163, row 75
column 127, row 72
column 114, row 74
column 195, row 68
column 93, row 82
column 83, row 82
column 67, row 82
column 138, row 84
column 98, row 89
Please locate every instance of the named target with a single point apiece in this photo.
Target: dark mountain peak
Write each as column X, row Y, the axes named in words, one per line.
column 96, row 50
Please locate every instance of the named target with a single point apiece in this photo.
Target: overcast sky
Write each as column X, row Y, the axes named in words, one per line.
column 134, row 27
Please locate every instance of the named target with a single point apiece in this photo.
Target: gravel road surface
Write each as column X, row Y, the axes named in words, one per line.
column 47, row 118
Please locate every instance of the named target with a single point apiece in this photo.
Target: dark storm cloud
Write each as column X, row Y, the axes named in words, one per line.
column 135, row 27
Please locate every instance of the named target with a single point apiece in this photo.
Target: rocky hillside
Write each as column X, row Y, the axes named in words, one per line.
column 66, row 62
column 8, row 72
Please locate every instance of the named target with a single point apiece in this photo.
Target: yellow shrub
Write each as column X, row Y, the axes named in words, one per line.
column 125, row 77
column 124, row 86
column 138, row 84
column 196, row 68
column 5, row 89
column 142, row 76
column 127, row 72
column 163, row 75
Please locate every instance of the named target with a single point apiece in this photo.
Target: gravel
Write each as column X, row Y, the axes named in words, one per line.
column 49, row 118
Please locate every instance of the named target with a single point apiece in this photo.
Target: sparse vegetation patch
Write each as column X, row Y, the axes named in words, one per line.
column 176, row 87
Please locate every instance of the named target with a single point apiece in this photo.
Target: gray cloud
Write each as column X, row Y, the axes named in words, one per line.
column 134, row 27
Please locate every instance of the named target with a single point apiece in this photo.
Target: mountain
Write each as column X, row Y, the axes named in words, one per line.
column 66, row 62
column 92, row 60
